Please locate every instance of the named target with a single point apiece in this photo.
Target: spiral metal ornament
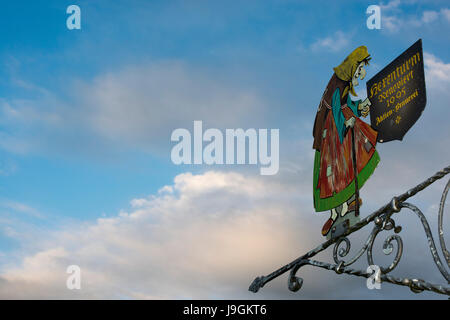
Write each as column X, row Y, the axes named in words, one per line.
column 387, row 250
column 426, row 227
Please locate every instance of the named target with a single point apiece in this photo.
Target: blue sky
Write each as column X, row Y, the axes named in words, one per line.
column 86, row 115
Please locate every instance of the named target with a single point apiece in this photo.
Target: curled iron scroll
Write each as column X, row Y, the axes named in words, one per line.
column 441, row 221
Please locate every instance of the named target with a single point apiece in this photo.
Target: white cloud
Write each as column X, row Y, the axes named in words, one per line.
column 139, row 104
column 437, row 72
column 429, row 16
column 390, row 23
column 390, row 5
column 446, row 13
column 394, row 19
column 336, row 42
column 207, row 239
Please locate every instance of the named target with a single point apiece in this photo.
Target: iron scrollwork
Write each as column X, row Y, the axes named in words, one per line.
column 383, row 221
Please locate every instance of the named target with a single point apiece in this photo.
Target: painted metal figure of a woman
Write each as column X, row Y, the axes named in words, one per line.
column 345, row 154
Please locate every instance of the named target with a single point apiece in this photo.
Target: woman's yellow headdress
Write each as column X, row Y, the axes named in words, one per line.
column 347, row 68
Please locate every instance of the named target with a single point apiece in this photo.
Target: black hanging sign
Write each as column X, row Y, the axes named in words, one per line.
column 397, row 94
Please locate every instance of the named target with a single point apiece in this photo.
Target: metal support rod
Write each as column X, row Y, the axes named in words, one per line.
column 414, row 284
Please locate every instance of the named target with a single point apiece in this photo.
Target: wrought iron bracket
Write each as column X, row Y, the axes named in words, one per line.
column 383, row 221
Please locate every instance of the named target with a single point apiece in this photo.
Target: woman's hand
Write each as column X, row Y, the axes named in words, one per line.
column 364, row 107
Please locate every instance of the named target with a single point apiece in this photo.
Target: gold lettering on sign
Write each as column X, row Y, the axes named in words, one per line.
column 398, row 106
column 394, row 90
column 396, row 75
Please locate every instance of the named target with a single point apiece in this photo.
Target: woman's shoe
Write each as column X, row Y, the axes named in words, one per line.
column 330, row 222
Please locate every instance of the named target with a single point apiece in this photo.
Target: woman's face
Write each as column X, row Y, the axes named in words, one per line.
column 359, row 73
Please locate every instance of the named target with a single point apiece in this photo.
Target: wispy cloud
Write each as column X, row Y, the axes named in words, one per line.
column 394, row 18
column 429, row 16
column 437, row 72
column 135, row 107
column 390, row 5
column 20, row 208
column 336, row 42
column 446, row 14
